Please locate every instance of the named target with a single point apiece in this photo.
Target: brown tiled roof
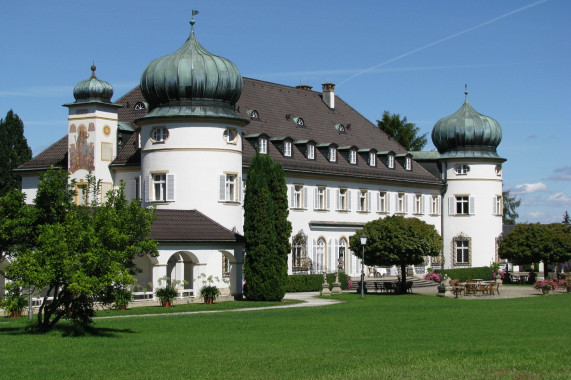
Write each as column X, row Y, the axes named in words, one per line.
column 277, row 106
column 55, row 155
column 189, row 225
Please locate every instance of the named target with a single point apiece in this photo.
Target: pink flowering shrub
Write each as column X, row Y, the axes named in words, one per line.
column 545, row 284
column 433, row 276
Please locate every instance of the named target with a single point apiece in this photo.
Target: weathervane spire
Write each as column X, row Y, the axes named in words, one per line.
column 194, row 13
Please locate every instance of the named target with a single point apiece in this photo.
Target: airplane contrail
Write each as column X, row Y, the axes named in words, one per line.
column 443, row 39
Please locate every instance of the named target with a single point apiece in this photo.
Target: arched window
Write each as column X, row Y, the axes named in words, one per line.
column 342, row 255
column 320, row 256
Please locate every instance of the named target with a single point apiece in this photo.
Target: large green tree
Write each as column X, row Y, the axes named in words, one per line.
column 402, row 131
column 532, row 243
column 266, row 231
column 511, row 204
column 76, row 254
column 14, row 151
column 399, row 241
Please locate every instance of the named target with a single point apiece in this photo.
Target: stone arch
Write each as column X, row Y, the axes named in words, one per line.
column 180, row 268
column 144, row 276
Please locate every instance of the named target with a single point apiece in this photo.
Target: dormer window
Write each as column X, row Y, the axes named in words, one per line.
column 310, row 152
column 287, row 148
column 299, row 121
column 159, row 135
column 263, row 145
column 254, row 115
column 408, row 163
column 353, row 157
column 332, row 154
column 140, row 106
column 391, row 161
column 372, row 159
column 340, row 128
column 461, row 169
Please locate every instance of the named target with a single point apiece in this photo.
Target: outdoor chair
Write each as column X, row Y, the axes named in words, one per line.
column 409, row 286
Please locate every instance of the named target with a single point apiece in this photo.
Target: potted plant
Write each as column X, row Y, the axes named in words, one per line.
column 166, row 294
column 122, row 297
column 545, row 286
column 209, row 292
column 13, row 302
column 566, row 283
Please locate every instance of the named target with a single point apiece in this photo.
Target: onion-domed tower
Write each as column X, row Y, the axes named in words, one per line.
column 92, row 135
column 472, row 210
column 191, row 139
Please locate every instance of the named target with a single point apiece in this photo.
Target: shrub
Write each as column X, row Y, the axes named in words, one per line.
column 122, row 297
column 313, row 282
column 14, row 301
column 432, row 276
column 464, row 274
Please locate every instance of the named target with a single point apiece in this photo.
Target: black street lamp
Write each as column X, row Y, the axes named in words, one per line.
column 363, row 244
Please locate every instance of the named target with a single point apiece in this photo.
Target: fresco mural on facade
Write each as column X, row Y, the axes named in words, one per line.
column 82, row 152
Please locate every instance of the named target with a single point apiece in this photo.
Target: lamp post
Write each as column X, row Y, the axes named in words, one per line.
column 363, row 244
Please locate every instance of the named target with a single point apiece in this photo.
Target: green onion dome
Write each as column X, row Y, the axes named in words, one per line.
column 191, row 82
column 93, row 90
column 467, row 133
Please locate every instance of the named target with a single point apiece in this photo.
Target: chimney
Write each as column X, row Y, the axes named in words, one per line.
column 329, row 94
column 304, row 87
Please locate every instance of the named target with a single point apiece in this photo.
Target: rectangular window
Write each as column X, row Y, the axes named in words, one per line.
column 321, row 199
column 262, row 145
column 310, row 152
column 390, row 161
column 462, row 205
column 462, row 247
column 408, row 163
column 298, row 197
column 332, row 154
column 160, row 187
column 81, row 194
column 400, row 203
column 382, row 202
column 353, row 157
column 498, row 205
column 287, row 148
column 418, row 204
column 229, row 188
column 434, row 205
column 372, row 159
column 363, row 201
column 343, row 200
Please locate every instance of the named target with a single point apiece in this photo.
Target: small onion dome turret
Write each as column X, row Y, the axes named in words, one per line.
column 191, row 82
column 93, row 90
column 467, row 133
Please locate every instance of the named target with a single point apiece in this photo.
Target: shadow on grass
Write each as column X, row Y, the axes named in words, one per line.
column 66, row 329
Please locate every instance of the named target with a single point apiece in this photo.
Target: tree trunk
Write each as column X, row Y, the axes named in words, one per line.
column 402, row 284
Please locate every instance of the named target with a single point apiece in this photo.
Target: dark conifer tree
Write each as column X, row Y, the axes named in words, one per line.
column 14, row 151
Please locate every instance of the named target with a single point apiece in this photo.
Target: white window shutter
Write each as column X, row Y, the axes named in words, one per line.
column 239, row 189
column 327, row 199
column 388, row 199
column 348, row 200
column 472, row 210
column 439, row 205
column 305, row 197
column 368, row 201
column 291, row 194
column 315, row 190
column 148, row 189
column 314, row 251
column 338, row 199
column 451, row 205
column 424, row 200
column 131, row 189
column 170, row 187
column 222, row 188
column 378, row 201
column 406, row 202
column 494, row 206
column 330, row 255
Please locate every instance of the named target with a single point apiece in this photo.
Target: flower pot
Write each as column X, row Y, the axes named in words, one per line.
column 209, row 300
column 545, row 290
column 166, row 303
column 16, row 314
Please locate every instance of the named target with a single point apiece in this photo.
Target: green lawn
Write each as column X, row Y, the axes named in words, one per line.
column 380, row 337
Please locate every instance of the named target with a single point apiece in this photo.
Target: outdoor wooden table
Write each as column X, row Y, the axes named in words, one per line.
column 458, row 289
column 470, row 288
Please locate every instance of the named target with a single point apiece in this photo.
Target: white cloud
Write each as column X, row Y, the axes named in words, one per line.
column 559, row 197
column 536, row 215
column 528, row 188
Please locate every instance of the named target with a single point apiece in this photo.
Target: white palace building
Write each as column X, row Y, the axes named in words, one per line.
column 182, row 142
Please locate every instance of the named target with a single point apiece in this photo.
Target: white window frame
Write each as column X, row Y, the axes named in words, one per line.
column 230, row 190
column 343, row 199
column 353, row 157
column 321, row 198
column 162, row 186
column 310, row 151
column 408, row 163
column 363, row 201
column 461, row 169
column 332, row 154
column 263, row 145
column 298, row 197
column 462, row 250
column 435, row 205
column 418, row 204
column 287, row 148
column 391, row 161
column 159, row 135
column 498, row 205
column 372, row 159
column 228, row 133
column 382, row 202
column 400, row 203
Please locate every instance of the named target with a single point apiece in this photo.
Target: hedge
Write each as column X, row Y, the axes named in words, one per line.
column 464, row 274
column 313, row 282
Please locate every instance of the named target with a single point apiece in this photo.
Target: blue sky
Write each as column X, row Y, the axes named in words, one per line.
column 407, row 57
